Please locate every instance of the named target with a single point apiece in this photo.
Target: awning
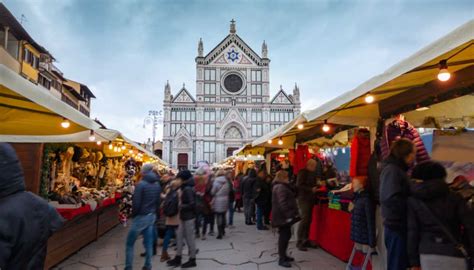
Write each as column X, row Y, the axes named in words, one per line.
column 28, row 109
column 102, row 135
column 403, row 88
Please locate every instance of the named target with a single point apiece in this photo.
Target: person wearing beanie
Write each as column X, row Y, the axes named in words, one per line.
column 26, row 220
column 145, row 202
column 431, row 207
column 187, row 216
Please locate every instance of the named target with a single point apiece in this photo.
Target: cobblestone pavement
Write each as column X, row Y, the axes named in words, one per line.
column 243, row 248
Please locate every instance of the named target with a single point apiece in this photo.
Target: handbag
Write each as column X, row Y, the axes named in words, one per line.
column 459, row 246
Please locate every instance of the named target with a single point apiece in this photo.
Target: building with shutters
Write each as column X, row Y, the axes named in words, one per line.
column 231, row 107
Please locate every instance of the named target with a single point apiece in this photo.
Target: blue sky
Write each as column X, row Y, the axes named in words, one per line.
column 125, row 50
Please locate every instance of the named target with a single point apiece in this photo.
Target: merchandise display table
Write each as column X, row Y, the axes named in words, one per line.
column 331, row 230
column 79, row 232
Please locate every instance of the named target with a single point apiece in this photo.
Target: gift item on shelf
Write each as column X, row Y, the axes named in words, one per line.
column 360, row 153
column 398, row 129
column 131, row 169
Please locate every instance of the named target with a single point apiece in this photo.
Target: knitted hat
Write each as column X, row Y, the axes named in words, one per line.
column 184, row 175
column 429, row 170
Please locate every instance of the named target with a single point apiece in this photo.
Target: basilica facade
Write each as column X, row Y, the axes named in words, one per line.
column 231, row 107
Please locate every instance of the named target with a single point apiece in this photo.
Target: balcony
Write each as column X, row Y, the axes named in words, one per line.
column 69, row 101
column 9, row 61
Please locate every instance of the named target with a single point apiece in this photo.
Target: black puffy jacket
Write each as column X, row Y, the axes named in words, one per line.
column 26, row 220
column 187, row 210
column 263, row 192
column 394, row 191
column 425, row 235
column 248, row 187
column 363, row 220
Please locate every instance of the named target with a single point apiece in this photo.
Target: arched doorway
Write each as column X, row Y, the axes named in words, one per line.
column 182, row 161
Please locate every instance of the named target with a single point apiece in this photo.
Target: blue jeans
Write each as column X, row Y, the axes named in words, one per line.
column 231, row 213
column 259, row 217
column 143, row 224
column 396, row 244
column 170, row 232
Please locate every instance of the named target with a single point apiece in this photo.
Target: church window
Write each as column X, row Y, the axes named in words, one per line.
column 256, row 89
column 243, row 113
column 257, row 130
column 209, row 99
column 256, row 75
column 256, row 116
column 256, row 100
column 210, row 151
column 209, row 89
column 209, row 115
column 209, row 130
column 210, row 75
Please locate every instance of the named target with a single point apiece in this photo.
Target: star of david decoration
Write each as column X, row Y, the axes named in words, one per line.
column 233, row 55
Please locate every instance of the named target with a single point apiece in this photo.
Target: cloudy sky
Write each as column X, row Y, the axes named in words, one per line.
column 125, row 50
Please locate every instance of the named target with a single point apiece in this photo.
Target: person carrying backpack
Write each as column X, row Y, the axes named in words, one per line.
column 187, row 215
column 171, row 211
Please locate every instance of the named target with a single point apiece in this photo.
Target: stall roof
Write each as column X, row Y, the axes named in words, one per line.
column 410, row 80
column 28, row 109
column 103, row 135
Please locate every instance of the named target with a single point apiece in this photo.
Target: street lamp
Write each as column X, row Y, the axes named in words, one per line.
column 153, row 118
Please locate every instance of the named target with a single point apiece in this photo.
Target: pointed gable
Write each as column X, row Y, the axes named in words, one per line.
column 233, row 115
column 281, row 98
column 241, row 54
column 184, row 96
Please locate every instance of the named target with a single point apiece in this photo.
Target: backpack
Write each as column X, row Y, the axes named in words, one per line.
column 171, row 204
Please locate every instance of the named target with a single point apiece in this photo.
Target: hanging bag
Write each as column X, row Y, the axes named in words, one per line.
column 459, row 246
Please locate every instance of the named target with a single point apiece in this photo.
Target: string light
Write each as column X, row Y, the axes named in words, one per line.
column 443, row 74
column 99, row 143
column 92, row 136
column 270, row 141
column 65, row 123
column 123, row 147
column 115, row 149
column 110, row 145
column 280, row 141
column 326, row 127
column 369, row 98
column 300, row 126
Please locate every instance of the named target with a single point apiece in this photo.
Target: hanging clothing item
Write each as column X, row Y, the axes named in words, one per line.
column 360, row 153
column 399, row 129
column 373, row 174
column 302, row 155
column 363, row 220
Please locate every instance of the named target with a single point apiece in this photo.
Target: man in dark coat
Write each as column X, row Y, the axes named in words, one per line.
column 248, row 195
column 306, row 183
column 145, row 202
column 187, row 216
column 262, row 198
column 26, row 220
column 284, row 214
column 394, row 191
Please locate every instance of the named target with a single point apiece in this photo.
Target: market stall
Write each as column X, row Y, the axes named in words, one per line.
column 89, row 180
column 432, row 89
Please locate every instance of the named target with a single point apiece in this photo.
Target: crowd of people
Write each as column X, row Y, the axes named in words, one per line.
column 426, row 224
column 199, row 205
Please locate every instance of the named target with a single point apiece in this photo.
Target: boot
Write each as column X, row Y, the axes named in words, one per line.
column 176, row 262
column 164, row 257
column 189, row 264
column 283, row 263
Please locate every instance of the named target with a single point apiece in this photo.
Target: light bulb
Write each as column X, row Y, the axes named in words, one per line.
column 130, row 152
column 326, row 127
column 123, row 147
column 99, row 143
column 65, row 123
column 280, row 142
column 269, row 141
column 300, row 126
column 443, row 74
column 115, row 149
column 344, row 150
column 92, row 136
column 369, row 99
column 111, row 146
